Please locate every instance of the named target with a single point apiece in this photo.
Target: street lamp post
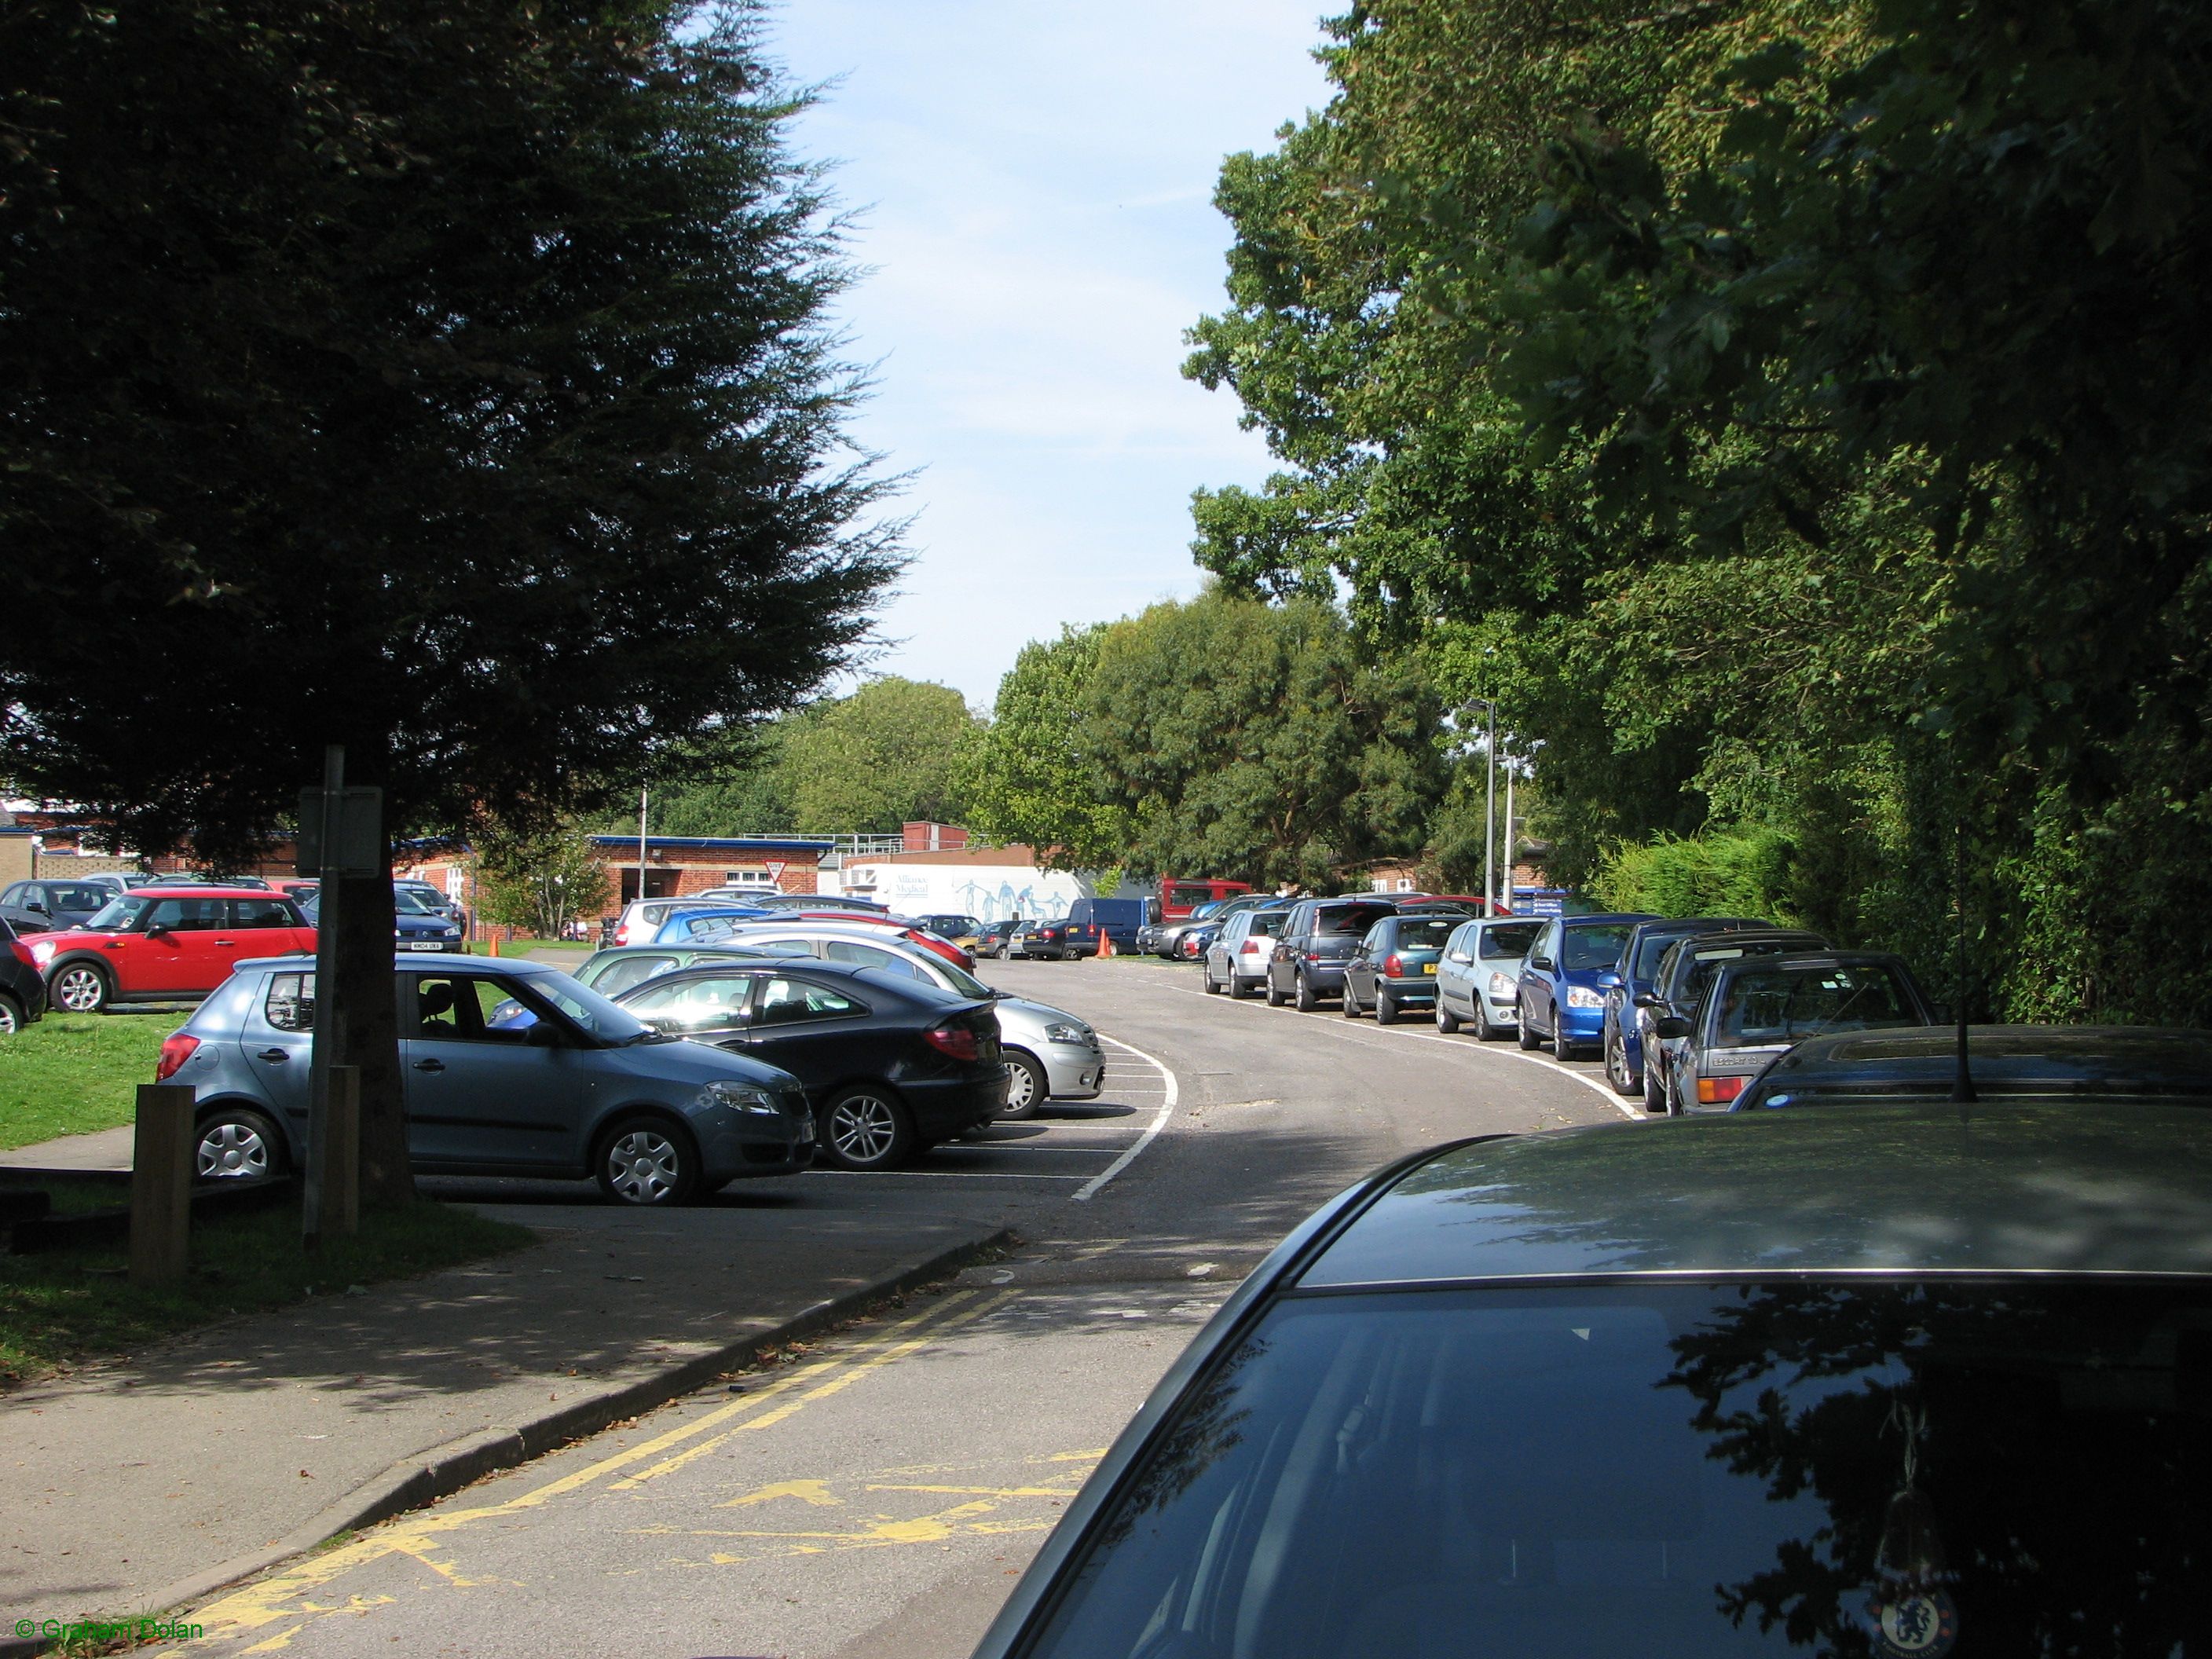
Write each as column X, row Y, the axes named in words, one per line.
column 1489, row 802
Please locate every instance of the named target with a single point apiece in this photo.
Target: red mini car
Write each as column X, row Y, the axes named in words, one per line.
column 165, row 944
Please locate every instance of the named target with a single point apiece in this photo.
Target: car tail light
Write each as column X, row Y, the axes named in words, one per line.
column 1253, row 947
column 1394, row 966
column 956, row 1041
column 1719, row 1091
column 1313, row 956
column 176, row 1049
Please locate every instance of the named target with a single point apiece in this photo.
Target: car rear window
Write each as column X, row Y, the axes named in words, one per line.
column 1424, row 932
column 1765, row 1005
column 1509, row 942
column 1351, row 918
column 1789, row 1468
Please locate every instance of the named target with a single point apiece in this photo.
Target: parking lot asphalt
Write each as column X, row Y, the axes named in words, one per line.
column 875, row 1496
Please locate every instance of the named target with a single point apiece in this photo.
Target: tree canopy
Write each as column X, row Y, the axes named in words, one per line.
column 1031, row 779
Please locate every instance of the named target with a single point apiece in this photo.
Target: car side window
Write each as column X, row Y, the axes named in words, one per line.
column 458, row 1008
column 795, row 1002
column 868, row 956
column 261, row 912
column 695, row 1005
column 186, row 915
column 1377, row 938
column 290, row 1004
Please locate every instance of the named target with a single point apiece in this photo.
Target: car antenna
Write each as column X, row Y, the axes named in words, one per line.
column 1962, row 1081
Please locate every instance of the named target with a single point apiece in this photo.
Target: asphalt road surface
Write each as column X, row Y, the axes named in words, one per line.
column 875, row 1494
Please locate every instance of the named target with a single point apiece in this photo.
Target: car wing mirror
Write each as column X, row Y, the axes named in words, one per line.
column 1461, row 955
column 1671, row 1026
column 1543, row 963
column 544, row 1034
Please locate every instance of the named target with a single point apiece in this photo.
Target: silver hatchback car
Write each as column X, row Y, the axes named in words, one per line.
column 585, row 1089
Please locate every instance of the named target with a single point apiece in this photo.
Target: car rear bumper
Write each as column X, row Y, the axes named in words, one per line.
column 1410, row 990
column 944, row 1107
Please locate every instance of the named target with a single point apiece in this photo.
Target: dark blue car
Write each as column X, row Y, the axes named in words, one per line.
column 1573, row 964
column 1620, row 1034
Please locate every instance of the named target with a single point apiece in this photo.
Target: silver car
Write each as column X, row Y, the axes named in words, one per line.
column 582, row 1089
column 1050, row 1052
column 1238, row 959
column 1479, row 978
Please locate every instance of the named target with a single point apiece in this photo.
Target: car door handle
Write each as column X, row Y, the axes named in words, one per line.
column 230, row 942
column 273, row 1055
column 429, row 1065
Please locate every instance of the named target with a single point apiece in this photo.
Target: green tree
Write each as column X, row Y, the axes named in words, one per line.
column 450, row 383
column 540, row 881
column 894, row 751
column 1030, row 778
column 1256, row 741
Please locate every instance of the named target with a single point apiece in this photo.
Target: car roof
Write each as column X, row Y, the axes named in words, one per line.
column 2012, row 1187
column 514, row 966
column 919, row 989
column 1614, row 918
column 1822, row 957
column 2099, row 1058
column 202, row 889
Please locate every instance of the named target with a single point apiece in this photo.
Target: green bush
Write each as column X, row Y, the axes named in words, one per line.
column 1740, row 873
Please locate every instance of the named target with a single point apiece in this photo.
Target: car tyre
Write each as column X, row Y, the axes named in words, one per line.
column 1212, row 985
column 1386, row 1007
column 1655, row 1094
column 1562, row 1050
column 1524, row 1032
column 11, row 1017
column 236, row 1143
column 1237, row 989
column 865, row 1128
column 1616, row 1063
column 1275, row 997
column 1305, row 999
column 81, row 988
column 1027, row 1086
column 648, row 1162
column 1447, row 1021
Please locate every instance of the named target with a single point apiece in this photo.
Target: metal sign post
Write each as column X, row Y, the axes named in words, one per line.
column 341, row 834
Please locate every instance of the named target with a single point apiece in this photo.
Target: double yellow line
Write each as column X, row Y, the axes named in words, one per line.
column 284, row 1596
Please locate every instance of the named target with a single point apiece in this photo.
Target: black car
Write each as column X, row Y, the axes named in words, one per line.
column 2003, row 1063
column 1320, row 936
column 1053, row 941
column 52, row 906
column 1759, row 1007
column 23, row 987
column 1686, row 968
column 890, row 1065
column 991, row 940
column 1874, row 1382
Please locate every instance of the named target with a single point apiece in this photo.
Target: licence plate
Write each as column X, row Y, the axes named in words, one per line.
column 1428, row 967
column 424, row 944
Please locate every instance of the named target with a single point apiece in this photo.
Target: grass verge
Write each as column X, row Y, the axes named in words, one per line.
column 71, row 1074
column 72, row 1308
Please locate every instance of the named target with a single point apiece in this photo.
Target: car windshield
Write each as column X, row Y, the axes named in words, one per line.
column 1585, row 948
column 588, row 1009
column 1762, row 1007
column 1509, row 941
column 78, row 898
column 1789, row 1468
column 118, row 915
column 1695, row 974
column 1649, row 949
column 407, row 902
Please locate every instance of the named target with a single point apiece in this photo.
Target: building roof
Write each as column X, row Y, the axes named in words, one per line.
column 722, row 843
column 1013, row 856
column 2070, row 1187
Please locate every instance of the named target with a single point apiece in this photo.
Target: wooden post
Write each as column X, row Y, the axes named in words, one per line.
column 161, row 1166
column 342, row 1163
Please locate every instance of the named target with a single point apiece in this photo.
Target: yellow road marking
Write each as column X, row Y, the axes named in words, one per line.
column 983, row 1491
column 816, row 1492
column 275, row 1600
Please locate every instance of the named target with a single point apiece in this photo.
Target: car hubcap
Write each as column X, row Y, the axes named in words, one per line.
column 643, row 1167
column 7, row 1020
column 232, row 1149
column 78, row 990
column 1021, row 1088
column 862, row 1129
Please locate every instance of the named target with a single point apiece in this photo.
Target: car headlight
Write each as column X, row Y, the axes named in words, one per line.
column 1501, row 985
column 740, row 1097
column 1581, row 996
column 42, row 952
column 1065, row 1033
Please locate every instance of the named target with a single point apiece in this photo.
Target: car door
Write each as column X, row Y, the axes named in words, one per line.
column 177, row 951
column 1537, row 983
column 1359, row 969
column 277, row 1041
column 823, row 1034
column 486, row 1095
column 1282, row 962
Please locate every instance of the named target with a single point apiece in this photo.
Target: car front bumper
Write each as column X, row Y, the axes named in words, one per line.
column 1074, row 1072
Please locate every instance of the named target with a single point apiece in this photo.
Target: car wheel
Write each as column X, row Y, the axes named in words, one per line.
column 1275, row 997
column 11, row 1017
column 1238, row 990
column 1655, row 1096
column 1305, row 999
column 81, row 988
column 1350, row 1000
column 1386, row 1007
column 1524, row 1032
column 1447, row 1021
column 1562, row 1049
column 647, row 1161
column 867, row 1128
column 1616, row 1064
column 237, row 1143
column 1212, row 986
column 1026, row 1087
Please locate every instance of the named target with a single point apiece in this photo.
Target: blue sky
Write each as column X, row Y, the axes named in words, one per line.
column 1034, row 186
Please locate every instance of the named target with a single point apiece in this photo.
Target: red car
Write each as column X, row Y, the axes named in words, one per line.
column 166, row 944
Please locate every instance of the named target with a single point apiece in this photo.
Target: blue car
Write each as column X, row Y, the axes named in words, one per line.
column 1621, row 1033
column 707, row 924
column 1573, row 964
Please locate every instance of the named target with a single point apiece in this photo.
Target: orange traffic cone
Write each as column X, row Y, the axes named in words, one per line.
column 1105, row 944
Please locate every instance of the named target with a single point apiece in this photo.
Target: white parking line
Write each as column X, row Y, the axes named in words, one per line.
column 1083, row 1194
column 1634, row 1114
